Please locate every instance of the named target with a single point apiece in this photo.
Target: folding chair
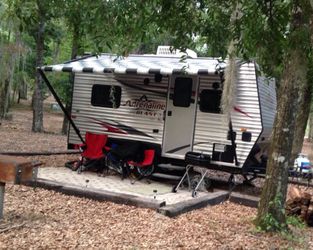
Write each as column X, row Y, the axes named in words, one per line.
column 146, row 166
column 306, row 172
column 193, row 159
column 93, row 154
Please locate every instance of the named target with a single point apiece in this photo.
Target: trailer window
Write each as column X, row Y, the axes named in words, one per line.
column 107, row 96
column 182, row 92
column 210, row 100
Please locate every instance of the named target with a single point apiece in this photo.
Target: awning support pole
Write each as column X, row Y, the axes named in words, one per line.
column 60, row 104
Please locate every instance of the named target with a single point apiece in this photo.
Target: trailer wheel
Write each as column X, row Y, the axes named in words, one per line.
column 145, row 171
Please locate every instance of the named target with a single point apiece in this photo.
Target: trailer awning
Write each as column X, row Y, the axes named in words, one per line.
column 144, row 64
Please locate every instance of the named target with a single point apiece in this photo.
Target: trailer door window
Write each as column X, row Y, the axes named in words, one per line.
column 107, row 96
column 182, row 92
column 210, row 100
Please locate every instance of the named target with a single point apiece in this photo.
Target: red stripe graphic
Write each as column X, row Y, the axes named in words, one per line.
column 242, row 112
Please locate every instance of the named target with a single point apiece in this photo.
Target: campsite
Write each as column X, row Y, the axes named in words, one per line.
column 38, row 218
column 156, row 124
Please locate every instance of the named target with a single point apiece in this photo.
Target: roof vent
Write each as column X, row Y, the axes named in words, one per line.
column 165, row 50
column 169, row 51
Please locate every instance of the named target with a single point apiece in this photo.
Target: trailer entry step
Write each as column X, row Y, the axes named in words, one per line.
column 166, row 176
column 172, row 167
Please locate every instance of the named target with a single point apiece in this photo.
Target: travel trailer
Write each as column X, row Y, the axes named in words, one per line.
column 172, row 103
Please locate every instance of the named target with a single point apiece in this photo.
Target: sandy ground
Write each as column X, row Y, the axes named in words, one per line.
column 42, row 219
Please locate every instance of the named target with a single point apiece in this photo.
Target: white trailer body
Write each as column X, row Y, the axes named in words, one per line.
column 172, row 104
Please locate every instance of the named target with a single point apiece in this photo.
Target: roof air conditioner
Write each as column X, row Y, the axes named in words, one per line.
column 168, row 51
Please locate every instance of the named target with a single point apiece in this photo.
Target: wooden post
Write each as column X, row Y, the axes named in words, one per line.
column 16, row 171
column 2, row 186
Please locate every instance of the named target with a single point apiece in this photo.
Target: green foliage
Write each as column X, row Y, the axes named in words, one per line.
column 124, row 26
column 216, row 28
column 118, row 26
column 13, row 52
column 273, row 226
column 261, row 29
column 77, row 19
column 290, row 234
column 32, row 12
column 62, row 85
column 272, row 218
column 295, row 221
column 269, row 223
column 261, row 33
column 265, row 32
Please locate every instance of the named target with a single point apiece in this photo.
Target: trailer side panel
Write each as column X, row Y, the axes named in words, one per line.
column 139, row 115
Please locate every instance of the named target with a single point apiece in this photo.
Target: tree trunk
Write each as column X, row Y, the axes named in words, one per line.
column 302, row 121
column 12, row 72
column 23, row 90
column 5, row 98
column 56, row 52
column 66, row 122
column 37, row 101
column 271, row 212
column 76, row 45
column 23, row 86
column 272, row 203
column 311, row 126
column 9, row 63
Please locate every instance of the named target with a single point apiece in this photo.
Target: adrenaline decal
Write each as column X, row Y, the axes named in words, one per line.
column 145, row 107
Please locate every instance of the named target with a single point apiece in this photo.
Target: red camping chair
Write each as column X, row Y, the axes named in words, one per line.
column 94, row 149
column 146, row 167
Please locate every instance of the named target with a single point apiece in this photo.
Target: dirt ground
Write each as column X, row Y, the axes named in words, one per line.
column 16, row 135
column 42, row 219
column 308, row 149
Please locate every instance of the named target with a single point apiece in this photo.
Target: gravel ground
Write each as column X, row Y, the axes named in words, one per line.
column 42, row 219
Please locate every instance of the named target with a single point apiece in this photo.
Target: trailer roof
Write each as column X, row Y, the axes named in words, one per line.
column 139, row 64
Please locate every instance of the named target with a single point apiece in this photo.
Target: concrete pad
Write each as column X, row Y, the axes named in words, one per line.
column 101, row 195
column 186, row 206
column 243, row 199
column 128, row 191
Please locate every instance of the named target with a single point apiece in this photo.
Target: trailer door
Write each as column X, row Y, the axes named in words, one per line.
column 180, row 116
